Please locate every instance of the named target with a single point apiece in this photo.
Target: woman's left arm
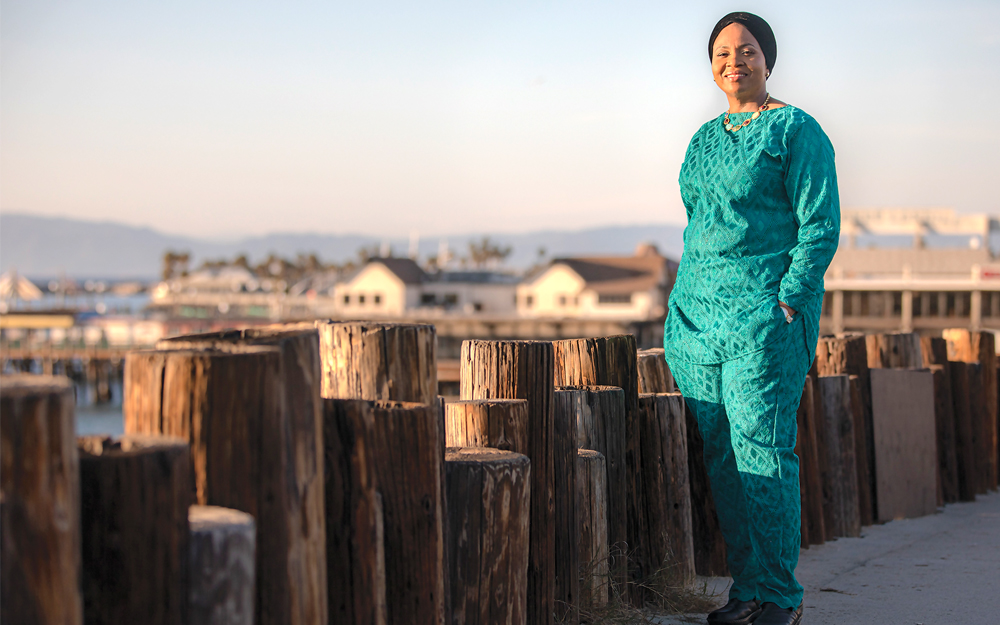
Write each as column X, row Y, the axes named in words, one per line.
column 811, row 184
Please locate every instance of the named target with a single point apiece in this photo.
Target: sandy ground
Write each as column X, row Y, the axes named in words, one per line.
column 942, row 569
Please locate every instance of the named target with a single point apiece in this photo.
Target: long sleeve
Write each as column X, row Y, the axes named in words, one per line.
column 811, row 184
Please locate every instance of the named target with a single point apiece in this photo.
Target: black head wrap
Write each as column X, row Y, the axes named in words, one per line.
column 757, row 27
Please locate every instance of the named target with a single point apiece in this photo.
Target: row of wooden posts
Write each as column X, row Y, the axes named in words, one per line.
column 309, row 473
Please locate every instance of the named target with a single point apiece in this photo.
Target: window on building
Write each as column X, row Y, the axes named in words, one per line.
column 361, row 299
column 614, row 298
column 450, row 299
column 378, row 299
column 576, row 301
column 562, row 300
column 477, row 306
column 347, row 300
column 529, row 301
column 427, row 299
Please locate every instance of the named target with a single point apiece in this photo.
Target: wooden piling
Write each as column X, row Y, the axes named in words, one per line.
column 222, row 566
column 497, row 423
column 567, row 410
column 39, row 502
column 611, row 361
column 810, row 480
column 969, row 346
column 602, row 429
column 962, row 374
column 135, row 492
column 861, row 443
column 709, row 545
column 248, row 402
column 835, row 393
column 355, row 555
column 407, row 444
column 592, row 519
column 489, row 496
column 524, row 370
column 944, row 420
column 894, row 350
column 669, row 544
column 654, row 374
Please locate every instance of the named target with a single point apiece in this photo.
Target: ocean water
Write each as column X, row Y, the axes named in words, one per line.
column 100, row 419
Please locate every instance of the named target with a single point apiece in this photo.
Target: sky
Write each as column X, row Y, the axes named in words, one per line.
column 226, row 119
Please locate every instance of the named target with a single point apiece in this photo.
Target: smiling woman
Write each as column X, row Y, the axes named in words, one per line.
column 760, row 190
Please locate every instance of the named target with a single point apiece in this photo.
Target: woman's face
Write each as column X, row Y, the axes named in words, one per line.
column 737, row 62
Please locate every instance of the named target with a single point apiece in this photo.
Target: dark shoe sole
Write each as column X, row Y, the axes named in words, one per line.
column 743, row 621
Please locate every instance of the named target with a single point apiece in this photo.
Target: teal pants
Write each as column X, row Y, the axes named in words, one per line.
column 746, row 409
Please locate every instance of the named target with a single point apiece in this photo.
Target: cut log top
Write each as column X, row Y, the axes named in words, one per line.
column 27, row 385
column 595, row 388
column 479, row 455
column 228, row 340
column 128, row 444
column 211, row 518
column 588, row 453
column 488, row 402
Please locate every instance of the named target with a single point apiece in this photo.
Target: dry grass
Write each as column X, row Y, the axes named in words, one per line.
column 665, row 592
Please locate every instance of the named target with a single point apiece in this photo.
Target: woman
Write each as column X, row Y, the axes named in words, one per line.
column 760, row 189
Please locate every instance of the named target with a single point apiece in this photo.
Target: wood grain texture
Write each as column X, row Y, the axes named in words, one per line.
column 835, row 393
column 654, row 373
column 567, row 410
column 248, row 402
column 944, row 421
column 849, row 356
column 602, row 429
column 524, row 370
column 980, row 347
column 669, row 546
column 373, row 360
column 965, row 444
column 409, row 464
column 354, row 550
column 861, row 442
column 39, row 502
column 709, row 545
column 823, row 460
column 810, row 480
column 592, row 520
column 611, row 361
column 222, row 566
column 497, row 423
column 905, row 448
column 489, row 496
column 894, row 350
column 135, row 492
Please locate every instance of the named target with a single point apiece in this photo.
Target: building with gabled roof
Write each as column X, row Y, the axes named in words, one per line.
column 611, row 287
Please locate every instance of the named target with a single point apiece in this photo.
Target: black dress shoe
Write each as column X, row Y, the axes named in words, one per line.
column 735, row 612
column 771, row 614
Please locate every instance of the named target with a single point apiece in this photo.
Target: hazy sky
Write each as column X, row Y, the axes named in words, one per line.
column 231, row 118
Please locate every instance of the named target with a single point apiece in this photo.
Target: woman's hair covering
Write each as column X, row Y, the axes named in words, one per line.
column 757, row 27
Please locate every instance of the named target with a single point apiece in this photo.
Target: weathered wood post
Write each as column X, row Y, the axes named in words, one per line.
column 709, row 545
column 654, row 374
column 894, row 350
column 222, row 566
column 849, row 356
column 498, row 423
column 611, row 361
column 409, row 470
column 835, row 393
column 862, row 468
column 592, row 519
column 489, row 494
column 524, row 370
column 944, row 420
column 965, row 445
column 39, row 502
column 135, row 492
column 823, row 461
column 810, row 480
column 375, row 360
column 355, row 557
column 969, row 346
column 567, row 410
column 667, row 493
column 602, row 429
column 248, row 402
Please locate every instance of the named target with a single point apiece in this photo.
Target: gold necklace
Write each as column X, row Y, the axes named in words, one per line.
column 746, row 122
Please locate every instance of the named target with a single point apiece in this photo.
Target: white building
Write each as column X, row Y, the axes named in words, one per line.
column 600, row 287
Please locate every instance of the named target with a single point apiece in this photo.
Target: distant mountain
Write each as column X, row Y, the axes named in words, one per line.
column 46, row 247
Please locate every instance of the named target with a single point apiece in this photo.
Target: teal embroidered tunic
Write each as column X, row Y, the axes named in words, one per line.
column 763, row 225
